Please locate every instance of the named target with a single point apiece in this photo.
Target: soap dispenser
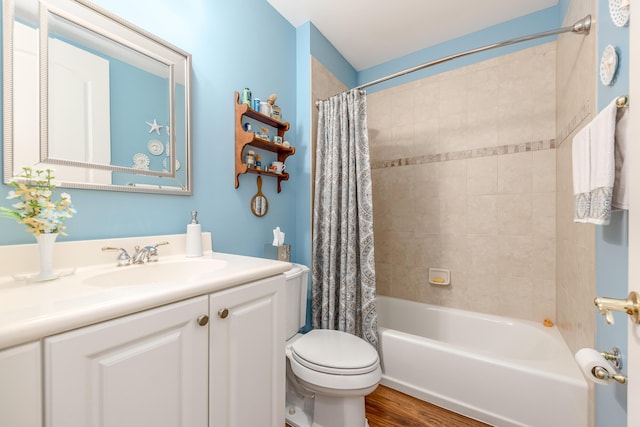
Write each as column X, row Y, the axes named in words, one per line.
column 194, row 237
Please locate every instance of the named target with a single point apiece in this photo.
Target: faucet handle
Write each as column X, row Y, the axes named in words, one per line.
column 123, row 256
column 160, row 244
column 153, row 251
column 608, row 317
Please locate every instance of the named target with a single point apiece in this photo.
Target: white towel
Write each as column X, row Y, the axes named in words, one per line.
column 603, row 166
column 594, row 167
column 581, row 157
column 620, row 190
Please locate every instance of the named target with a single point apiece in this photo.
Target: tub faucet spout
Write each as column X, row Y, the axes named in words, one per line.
column 630, row 305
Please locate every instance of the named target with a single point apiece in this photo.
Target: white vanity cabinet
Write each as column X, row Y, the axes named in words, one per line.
column 20, row 386
column 173, row 367
column 247, row 361
column 145, row 369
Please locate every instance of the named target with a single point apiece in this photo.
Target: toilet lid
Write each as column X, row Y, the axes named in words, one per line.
column 335, row 352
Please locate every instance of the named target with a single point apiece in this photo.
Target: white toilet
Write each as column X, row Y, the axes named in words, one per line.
column 328, row 372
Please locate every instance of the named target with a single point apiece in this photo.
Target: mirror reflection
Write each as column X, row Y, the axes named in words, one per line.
column 259, row 202
column 103, row 104
column 259, row 205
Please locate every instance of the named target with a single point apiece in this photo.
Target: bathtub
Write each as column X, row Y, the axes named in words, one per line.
column 498, row 370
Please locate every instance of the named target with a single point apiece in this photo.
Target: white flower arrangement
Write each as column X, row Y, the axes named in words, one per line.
column 34, row 208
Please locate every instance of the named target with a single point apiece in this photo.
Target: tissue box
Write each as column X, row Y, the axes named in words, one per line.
column 281, row 253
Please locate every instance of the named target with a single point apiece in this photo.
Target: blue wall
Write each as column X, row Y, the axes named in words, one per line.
column 612, row 245
column 303, row 130
column 234, row 44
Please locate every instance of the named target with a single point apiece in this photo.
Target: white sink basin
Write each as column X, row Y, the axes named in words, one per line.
column 157, row 272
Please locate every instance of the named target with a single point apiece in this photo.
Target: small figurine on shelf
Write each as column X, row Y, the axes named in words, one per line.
column 246, row 97
column 275, row 110
column 251, row 160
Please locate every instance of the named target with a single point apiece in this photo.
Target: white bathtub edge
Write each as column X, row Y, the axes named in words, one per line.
column 546, row 389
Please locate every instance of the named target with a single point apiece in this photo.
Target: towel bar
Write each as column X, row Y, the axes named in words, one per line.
column 622, row 101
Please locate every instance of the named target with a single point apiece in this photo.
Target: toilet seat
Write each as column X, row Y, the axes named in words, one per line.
column 335, row 385
column 335, row 353
column 335, row 363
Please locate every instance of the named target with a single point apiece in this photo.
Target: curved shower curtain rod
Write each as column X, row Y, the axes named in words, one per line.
column 580, row 27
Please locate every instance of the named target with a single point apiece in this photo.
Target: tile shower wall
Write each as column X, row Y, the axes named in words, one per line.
column 576, row 103
column 576, row 249
column 464, row 179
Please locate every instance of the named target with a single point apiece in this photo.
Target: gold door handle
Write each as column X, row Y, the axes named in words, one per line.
column 223, row 313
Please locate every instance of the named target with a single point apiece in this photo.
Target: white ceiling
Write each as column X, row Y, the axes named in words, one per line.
column 371, row 32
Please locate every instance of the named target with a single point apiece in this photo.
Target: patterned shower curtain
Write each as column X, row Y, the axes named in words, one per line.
column 343, row 280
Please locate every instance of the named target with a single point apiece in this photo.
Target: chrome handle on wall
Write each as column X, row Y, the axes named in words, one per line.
column 614, row 357
column 631, row 306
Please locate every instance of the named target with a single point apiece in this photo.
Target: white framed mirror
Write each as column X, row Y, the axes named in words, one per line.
column 103, row 103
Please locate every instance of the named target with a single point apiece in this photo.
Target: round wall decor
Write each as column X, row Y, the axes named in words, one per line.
column 608, row 65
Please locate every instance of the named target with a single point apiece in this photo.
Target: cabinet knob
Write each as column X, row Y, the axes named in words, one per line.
column 203, row 319
column 223, row 313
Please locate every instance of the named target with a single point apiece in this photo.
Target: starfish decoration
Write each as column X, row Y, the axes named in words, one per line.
column 154, row 126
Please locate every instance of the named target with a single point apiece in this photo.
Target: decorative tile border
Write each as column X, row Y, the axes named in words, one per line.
column 467, row 154
column 583, row 113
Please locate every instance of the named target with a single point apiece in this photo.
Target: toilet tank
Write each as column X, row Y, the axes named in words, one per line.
column 296, row 282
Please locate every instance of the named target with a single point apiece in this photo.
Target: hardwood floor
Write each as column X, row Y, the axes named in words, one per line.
column 389, row 408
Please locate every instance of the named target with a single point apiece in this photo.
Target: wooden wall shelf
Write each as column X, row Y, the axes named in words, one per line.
column 244, row 138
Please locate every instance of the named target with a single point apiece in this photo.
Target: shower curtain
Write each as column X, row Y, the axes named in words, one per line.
column 343, row 280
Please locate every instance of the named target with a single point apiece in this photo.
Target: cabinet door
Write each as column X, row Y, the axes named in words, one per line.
column 247, row 362
column 146, row 369
column 21, row 386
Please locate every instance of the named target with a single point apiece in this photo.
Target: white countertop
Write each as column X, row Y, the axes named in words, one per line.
column 31, row 311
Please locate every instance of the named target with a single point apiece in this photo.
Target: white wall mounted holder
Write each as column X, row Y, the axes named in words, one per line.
column 439, row 276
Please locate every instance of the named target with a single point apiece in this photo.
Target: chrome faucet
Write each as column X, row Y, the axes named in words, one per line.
column 147, row 253
column 141, row 255
column 631, row 306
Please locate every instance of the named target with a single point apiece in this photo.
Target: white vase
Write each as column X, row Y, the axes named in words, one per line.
column 46, row 242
